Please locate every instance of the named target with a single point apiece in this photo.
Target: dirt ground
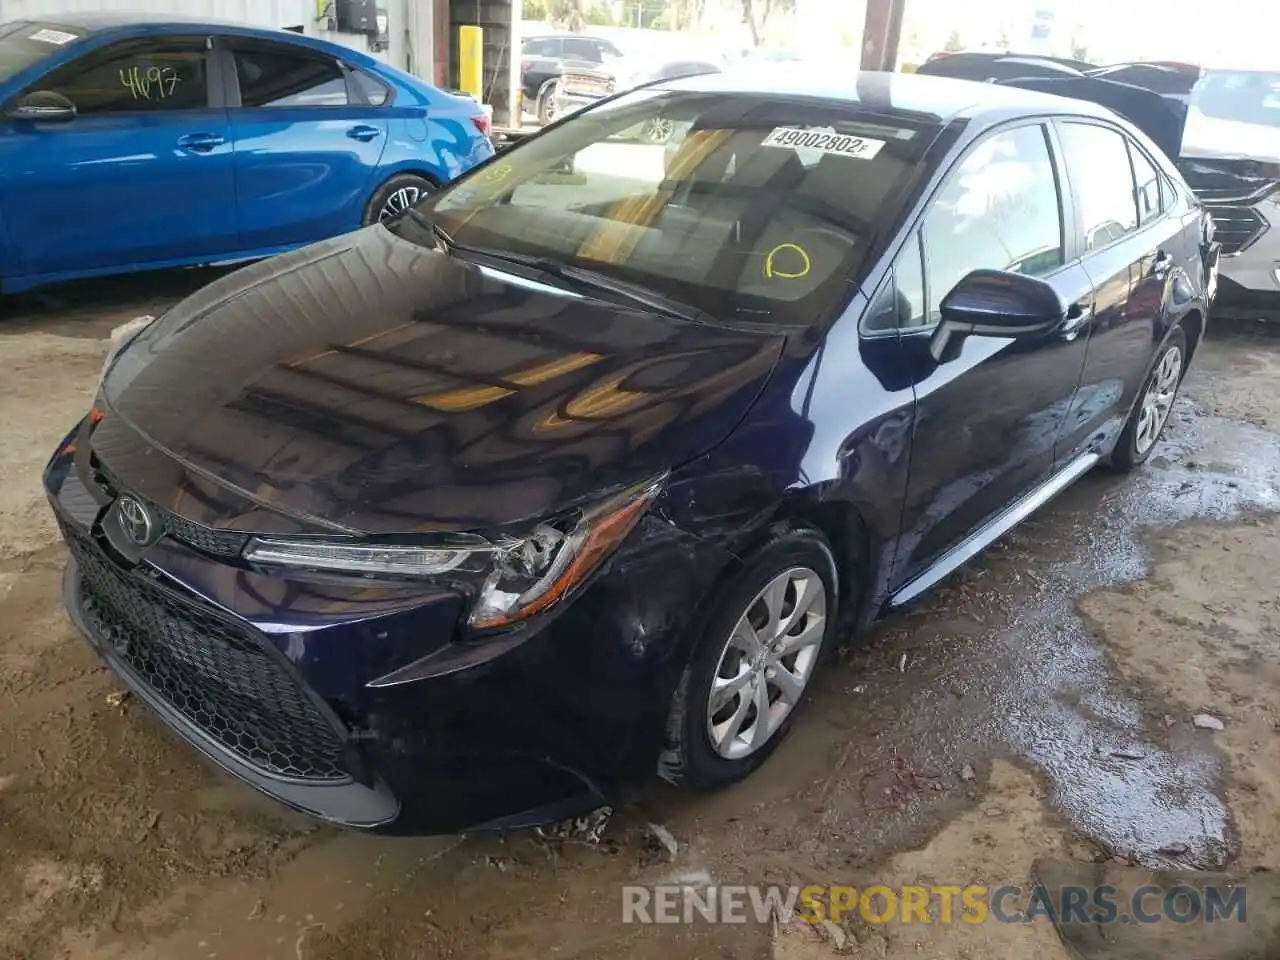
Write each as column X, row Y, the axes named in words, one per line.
column 1039, row 704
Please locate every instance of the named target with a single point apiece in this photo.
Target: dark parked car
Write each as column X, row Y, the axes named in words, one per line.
column 985, row 66
column 581, row 86
column 543, row 60
column 481, row 516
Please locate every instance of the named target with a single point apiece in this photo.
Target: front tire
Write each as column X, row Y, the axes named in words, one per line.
column 548, row 109
column 751, row 668
column 1150, row 414
column 395, row 196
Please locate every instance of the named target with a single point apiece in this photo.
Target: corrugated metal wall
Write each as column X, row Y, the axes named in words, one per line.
column 262, row 13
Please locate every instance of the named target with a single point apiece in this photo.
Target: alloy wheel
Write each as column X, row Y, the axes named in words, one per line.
column 1157, row 402
column 766, row 663
column 400, row 200
column 659, row 130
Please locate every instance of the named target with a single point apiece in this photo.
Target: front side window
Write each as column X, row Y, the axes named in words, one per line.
column 754, row 210
column 1000, row 209
column 278, row 76
column 24, row 44
column 138, row 76
column 1099, row 163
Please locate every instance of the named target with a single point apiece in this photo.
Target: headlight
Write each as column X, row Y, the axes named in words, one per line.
column 513, row 579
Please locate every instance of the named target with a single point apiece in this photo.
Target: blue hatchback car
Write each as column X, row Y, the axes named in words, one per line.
column 128, row 144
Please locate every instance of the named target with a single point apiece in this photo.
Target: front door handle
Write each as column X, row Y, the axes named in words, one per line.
column 1163, row 264
column 201, row 142
column 1078, row 317
column 364, row 133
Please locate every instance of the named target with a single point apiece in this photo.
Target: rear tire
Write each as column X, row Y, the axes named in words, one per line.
column 395, row 196
column 1151, row 412
column 732, row 707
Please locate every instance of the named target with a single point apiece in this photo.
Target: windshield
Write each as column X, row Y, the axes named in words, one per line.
column 24, row 44
column 746, row 207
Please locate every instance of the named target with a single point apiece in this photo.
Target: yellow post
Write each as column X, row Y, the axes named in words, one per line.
column 471, row 60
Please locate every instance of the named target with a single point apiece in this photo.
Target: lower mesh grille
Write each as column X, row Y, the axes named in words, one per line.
column 219, row 676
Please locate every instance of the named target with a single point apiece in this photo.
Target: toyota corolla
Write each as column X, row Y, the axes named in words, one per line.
column 576, row 471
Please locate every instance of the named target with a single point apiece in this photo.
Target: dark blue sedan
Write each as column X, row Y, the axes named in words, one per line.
column 576, row 472
column 128, row 144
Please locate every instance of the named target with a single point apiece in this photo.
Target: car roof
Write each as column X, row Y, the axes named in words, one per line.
column 92, row 21
column 943, row 98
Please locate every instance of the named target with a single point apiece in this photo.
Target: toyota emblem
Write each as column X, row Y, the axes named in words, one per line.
column 135, row 521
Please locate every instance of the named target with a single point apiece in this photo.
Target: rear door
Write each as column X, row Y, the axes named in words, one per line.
column 143, row 174
column 986, row 421
column 1132, row 251
column 307, row 143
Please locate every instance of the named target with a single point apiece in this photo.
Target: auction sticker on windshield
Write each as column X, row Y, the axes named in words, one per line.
column 861, row 148
column 59, row 37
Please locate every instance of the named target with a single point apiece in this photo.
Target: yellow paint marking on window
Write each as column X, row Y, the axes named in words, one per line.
column 771, row 271
column 470, row 398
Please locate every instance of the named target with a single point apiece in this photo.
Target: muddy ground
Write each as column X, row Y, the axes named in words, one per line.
column 1041, row 703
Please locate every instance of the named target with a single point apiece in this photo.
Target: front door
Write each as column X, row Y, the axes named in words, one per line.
column 143, row 174
column 986, row 421
column 308, row 145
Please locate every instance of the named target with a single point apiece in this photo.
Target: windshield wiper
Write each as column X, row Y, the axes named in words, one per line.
column 593, row 281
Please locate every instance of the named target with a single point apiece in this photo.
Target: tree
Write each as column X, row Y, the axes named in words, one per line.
column 535, row 9
column 757, row 13
column 567, row 15
column 689, row 13
column 1002, row 41
column 954, row 44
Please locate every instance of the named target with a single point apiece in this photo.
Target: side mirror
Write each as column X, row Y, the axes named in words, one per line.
column 43, row 106
column 995, row 303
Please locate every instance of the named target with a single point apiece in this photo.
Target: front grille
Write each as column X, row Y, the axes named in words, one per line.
column 216, row 674
column 1236, row 227
column 218, row 543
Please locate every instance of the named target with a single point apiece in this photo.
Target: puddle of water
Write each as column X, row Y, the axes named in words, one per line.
column 1041, row 686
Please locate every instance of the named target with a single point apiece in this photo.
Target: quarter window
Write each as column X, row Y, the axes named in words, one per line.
column 1000, row 209
column 1099, row 163
column 144, row 76
column 374, row 90
column 280, row 77
column 900, row 303
column 1146, row 186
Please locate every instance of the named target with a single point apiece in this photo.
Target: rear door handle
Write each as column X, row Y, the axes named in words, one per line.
column 1163, row 264
column 201, row 142
column 364, row 133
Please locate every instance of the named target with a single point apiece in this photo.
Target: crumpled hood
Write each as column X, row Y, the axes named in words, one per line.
column 370, row 384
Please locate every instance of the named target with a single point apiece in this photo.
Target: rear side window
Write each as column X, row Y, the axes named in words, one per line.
column 138, row 76
column 1146, row 186
column 1000, row 209
column 1098, row 159
column 279, row 76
